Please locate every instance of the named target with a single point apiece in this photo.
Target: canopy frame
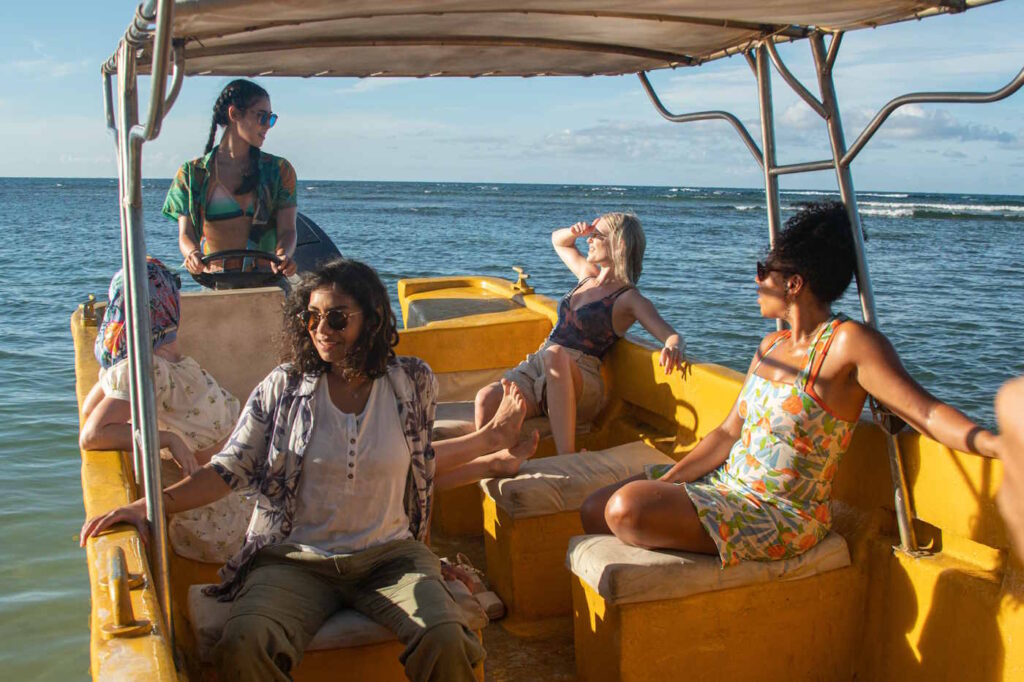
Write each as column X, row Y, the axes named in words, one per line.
column 149, row 38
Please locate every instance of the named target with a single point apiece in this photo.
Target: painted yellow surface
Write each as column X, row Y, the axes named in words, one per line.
column 955, row 614
column 526, row 561
column 107, row 483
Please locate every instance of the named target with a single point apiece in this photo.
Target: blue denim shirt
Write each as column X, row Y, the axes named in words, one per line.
column 265, row 452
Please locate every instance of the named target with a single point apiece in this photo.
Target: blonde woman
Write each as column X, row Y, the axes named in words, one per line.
column 563, row 378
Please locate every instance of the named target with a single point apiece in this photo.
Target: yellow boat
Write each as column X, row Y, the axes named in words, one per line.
column 915, row 583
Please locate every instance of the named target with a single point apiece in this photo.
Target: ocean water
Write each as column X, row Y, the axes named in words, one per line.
column 947, row 270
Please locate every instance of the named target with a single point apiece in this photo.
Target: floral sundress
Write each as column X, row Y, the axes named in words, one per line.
column 770, row 499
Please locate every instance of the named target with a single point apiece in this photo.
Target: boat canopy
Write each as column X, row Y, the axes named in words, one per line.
column 422, row 38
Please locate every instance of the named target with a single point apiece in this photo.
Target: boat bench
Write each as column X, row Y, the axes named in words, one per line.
column 457, row 512
column 645, row 615
column 348, row 641
column 529, row 519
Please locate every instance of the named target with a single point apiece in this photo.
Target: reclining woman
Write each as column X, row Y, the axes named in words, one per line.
column 337, row 444
column 758, row 487
column 562, row 379
column 236, row 196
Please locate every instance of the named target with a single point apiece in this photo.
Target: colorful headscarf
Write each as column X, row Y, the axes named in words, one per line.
column 164, row 312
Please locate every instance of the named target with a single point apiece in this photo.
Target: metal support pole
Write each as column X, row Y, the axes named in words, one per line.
column 771, row 180
column 904, row 514
column 140, row 345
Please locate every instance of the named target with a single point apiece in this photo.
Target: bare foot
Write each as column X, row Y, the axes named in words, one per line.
column 507, row 462
column 507, row 422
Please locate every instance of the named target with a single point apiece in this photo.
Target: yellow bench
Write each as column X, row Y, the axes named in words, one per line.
column 529, row 519
column 651, row 615
column 348, row 641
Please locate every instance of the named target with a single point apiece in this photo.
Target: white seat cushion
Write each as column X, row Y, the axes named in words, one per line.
column 346, row 628
column 624, row 574
column 457, row 419
column 561, row 483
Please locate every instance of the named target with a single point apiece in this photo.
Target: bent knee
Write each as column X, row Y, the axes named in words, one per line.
column 556, row 359
column 451, row 642
column 623, row 513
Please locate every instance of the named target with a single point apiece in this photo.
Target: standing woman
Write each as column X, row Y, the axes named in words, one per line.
column 236, row 196
column 759, row 486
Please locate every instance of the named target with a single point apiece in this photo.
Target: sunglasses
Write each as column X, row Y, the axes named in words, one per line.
column 763, row 270
column 266, row 118
column 336, row 319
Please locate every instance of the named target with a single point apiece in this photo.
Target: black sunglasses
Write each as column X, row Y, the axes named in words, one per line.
column 336, row 319
column 763, row 270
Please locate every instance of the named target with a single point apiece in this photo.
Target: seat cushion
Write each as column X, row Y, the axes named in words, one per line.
column 457, row 419
column 346, row 628
column 624, row 574
column 561, row 483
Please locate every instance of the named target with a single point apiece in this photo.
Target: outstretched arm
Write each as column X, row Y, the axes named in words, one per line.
column 564, row 241
column 673, row 352
column 880, row 373
column 203, row 487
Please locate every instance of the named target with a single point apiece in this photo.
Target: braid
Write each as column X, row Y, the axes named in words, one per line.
column 240, row 93
column 220, row 112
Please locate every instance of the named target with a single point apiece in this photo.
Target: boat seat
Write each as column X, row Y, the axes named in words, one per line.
column 624, row 574
column 457, row 419
column 638, row 613
column 346, row 629
column 529, row 519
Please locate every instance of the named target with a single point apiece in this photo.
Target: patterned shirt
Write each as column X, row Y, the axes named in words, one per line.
column 274, row 191
column 264, row 455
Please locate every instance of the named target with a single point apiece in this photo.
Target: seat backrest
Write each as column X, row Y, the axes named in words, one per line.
column 233, row 335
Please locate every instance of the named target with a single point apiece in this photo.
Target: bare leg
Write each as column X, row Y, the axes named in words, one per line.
column 592, row 509
column 499, row 464
column 496, row 449
column 485, row 405
column 655, row 514
column 564, row 387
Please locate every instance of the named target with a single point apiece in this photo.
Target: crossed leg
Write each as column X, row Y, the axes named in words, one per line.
column 649, row 514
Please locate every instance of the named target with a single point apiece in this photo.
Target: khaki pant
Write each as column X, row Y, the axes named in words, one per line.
column 289, row 593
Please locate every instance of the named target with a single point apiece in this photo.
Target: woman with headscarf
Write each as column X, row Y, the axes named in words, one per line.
column 194, row 413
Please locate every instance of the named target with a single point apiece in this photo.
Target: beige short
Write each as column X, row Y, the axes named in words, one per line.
column 531, row 378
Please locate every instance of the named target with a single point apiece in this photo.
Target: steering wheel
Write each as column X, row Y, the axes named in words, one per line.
column 238, row 279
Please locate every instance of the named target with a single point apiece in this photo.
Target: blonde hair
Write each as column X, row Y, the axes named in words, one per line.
column 627, row 245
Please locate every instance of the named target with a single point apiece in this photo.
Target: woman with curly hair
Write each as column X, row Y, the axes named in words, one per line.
column 236, row 196
column 336, row 442
column 758, row 487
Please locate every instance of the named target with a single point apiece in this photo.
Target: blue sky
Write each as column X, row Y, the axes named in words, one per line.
column 597, row 130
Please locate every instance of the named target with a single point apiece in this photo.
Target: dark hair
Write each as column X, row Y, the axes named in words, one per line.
column 241, row 93
column 375, row 346
column 817, row 244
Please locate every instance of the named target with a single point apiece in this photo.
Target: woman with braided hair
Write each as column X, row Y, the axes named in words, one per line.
column 236, row 196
